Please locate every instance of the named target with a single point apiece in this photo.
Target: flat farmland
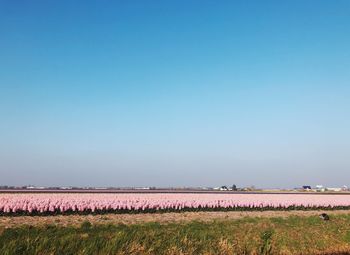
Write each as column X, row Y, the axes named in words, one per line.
column 173, row 223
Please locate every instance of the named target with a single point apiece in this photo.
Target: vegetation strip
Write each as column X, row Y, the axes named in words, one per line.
column 170, row 210
column 162, row 218
column 292, row 235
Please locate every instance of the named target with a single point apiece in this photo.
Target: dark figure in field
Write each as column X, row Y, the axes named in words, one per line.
column 324, row 216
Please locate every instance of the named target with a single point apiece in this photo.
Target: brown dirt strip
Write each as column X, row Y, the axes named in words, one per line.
column 163, row 218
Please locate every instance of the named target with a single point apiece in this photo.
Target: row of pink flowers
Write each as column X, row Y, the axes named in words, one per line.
column 12, row 203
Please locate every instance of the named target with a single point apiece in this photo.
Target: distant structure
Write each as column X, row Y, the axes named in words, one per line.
column 334, row 189
column 229, row 188
column 307, row 188
column 320, row 188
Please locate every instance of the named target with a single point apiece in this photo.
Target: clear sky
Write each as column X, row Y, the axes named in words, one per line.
column 175, row 93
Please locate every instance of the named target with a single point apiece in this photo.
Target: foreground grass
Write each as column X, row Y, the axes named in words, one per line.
column 293, row 235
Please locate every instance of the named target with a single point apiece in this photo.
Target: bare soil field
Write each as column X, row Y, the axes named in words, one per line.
column 163, row 218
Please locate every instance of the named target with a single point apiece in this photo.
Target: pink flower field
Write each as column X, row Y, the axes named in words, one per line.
column 55, row 203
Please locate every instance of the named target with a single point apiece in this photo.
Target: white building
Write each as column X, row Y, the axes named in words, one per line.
column 334, row 189
column 320, row 188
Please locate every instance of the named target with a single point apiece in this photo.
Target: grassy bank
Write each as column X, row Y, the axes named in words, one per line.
column 293, row 235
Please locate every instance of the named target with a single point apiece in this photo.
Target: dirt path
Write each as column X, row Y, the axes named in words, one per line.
column 155, row 217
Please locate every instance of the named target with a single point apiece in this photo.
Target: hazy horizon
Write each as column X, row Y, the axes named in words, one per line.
column 185, row 93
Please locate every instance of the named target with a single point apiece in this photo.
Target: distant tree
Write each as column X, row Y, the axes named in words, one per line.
column 234, row 187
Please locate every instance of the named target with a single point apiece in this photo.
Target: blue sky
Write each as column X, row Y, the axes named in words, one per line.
column 175, row 93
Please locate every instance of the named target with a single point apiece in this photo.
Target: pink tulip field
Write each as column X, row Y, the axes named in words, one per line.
column 55, row 203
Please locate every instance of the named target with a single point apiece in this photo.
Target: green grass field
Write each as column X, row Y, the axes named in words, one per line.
column 293, row 235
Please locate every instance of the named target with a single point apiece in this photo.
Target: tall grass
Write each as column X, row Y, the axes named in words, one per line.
column 293, row 235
